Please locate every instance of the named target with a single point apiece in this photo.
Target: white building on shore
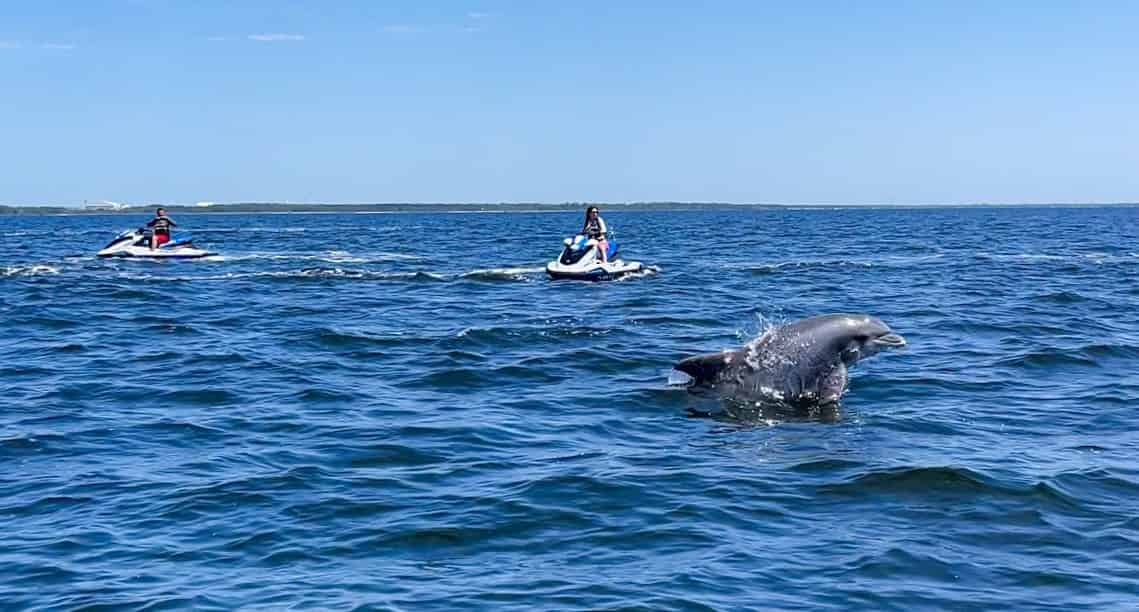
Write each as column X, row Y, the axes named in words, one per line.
column 104, row 205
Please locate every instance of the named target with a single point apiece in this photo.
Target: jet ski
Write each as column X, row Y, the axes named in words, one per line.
column 136, row 243
column 580, row 260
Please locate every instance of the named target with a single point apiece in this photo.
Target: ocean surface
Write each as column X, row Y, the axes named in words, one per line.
column 399, row 411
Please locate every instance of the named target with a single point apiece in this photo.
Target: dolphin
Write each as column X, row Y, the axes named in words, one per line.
column 800, row 365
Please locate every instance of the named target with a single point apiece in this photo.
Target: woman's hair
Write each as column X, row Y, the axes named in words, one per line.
column 587, row 211
column 160, row 210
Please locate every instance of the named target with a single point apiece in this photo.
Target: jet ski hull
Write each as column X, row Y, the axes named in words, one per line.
column 136, row 244
column 580, row 260
column 148, row 253
column 595, row 272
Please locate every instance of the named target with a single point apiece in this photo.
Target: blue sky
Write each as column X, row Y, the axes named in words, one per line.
column 446, row 101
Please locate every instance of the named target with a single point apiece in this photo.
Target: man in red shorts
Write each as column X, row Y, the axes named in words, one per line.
column 161, row 233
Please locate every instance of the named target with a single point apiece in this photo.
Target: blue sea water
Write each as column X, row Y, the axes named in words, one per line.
column 399, row 411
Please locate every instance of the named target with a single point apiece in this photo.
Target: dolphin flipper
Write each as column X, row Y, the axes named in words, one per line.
column 705, row 368
column 833, row 385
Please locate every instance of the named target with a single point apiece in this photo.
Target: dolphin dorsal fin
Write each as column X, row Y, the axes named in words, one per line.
column 706, row 368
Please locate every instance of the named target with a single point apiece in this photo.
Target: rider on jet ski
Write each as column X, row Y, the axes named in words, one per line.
column 591, row 254
column 161, row 224
column 595, row 228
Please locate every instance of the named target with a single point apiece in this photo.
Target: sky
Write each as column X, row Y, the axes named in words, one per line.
column 907, row 102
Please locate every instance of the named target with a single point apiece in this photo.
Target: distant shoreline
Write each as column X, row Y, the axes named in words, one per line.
column 533, row 207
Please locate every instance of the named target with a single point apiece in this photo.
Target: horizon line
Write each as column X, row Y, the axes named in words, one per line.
column 106, row 205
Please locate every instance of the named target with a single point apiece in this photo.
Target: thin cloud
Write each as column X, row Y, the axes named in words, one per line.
column 402, row 28
column 58, row 46
column 216, row 38
column 7, row 44
column 276, row 37
column 475, row 23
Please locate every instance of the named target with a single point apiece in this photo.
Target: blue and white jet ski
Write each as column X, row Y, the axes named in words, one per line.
column 581, row 260
column 136, row 243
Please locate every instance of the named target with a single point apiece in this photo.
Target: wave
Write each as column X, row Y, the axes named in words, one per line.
column 70, row 232
column 321, row 394
column 511, row 274
column 1086, row 355
column 305, row 273
column 1095, row 257
column 915, row 480
column 781, row 265
column 1062, row 297
column 489, row 274
column 798, row 264
column 1020, row 256
column 564, row 331
column 644, row 272
column 327, row 256
column 29, row 270
column 243, row 230
column 334, row 338
column 905, row 260
column 482, row 376
column 1095, row 486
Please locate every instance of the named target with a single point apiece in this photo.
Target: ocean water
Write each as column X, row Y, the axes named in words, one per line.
column 399, row 411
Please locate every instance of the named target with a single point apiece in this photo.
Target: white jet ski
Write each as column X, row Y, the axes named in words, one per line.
column 580, row 260
column 136, row 243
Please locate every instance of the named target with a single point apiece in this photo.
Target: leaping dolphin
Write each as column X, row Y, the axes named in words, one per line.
column 801, row 364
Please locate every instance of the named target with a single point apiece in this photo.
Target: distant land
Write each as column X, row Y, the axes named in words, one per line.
column 290, row 207
column 391, row 207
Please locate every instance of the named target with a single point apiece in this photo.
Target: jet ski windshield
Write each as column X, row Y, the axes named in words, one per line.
column 126, row 235
column 574, row 250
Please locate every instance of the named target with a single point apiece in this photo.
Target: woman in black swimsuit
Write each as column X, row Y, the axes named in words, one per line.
column 595, row 228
